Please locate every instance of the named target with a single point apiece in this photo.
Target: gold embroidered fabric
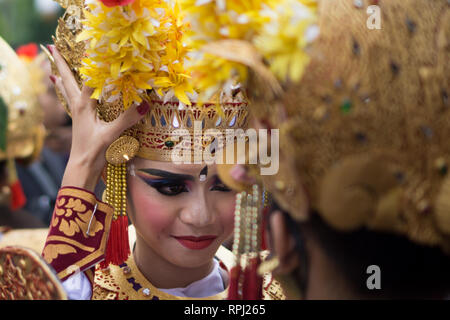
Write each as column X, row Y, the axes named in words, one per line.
column 78, row 233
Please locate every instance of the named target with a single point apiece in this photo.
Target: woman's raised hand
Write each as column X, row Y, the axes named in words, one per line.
column 90, row 136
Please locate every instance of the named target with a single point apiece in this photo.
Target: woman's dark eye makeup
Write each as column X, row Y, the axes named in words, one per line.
column 165, row 182
column 172, row 186
column 167, row 187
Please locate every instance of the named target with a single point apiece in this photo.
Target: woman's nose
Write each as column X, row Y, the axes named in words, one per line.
column 197, row 212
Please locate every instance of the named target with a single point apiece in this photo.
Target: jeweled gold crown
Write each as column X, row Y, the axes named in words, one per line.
column 21, row 115
column 155, row 132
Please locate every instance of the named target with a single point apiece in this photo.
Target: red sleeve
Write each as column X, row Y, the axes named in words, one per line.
column 68, row 248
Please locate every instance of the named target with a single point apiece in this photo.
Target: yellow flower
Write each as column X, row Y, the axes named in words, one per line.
column 95, row 77
column 138, row 6
column 130, row 85
column 211, row 73
column 135, row 48
column 283, row 41
column 280, row 29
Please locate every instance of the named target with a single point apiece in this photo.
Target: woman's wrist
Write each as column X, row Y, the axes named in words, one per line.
column 81, row 174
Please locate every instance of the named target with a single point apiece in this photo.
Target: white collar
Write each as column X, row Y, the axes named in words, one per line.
column 211, row 285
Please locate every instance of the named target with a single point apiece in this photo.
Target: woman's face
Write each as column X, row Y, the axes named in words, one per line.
column 182, row 212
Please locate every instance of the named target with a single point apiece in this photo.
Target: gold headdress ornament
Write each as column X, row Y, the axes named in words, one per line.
column 23, row 117
column 21, row 129
column 365, row 129
column 141, row 56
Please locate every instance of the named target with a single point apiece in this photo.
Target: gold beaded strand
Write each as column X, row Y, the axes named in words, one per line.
column 116, row 188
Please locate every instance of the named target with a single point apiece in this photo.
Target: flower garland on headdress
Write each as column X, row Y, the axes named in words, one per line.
column 273, row 26
column 135, row 46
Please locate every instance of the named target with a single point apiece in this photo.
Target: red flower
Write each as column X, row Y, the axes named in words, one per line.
column 114, row 3
column 28, row 51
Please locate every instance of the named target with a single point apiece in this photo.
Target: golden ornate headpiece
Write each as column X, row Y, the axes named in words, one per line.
column 21, row 121
column 174, row 101
column 141, row 56
column 21, row 118
column 365, row 129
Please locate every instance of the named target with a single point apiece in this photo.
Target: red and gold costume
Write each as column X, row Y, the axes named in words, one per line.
column 68, row 249
column 69, row 246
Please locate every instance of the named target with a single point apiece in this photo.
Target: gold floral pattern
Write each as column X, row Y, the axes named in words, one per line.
column 66, row 208
column 52, row 251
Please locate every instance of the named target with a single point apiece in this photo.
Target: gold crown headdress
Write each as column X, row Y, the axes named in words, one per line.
column 21, row 115
column 141, row 57
column 22, row 132
column 365, row 129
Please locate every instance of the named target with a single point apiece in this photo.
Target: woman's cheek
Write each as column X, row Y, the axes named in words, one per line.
column 151, row 214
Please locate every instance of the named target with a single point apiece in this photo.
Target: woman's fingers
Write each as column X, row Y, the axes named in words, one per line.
column 68, row 80
column 59, row 85
column 86, row 94
column 129, row 118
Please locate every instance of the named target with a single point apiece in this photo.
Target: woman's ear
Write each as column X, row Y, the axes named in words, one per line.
column 282, row 244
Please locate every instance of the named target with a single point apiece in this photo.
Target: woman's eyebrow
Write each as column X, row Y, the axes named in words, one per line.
column 167, row 174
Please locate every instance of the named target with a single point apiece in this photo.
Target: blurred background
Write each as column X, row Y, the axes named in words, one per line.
column 25, row 21
column 24, row 25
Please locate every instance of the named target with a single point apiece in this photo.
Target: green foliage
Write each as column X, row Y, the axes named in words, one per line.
column 20, row 23
column 3, row 124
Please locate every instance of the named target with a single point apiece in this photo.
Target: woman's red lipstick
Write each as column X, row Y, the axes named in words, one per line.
column 196, row 243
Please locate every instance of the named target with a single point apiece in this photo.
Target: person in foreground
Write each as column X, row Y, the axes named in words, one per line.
column 362, row 199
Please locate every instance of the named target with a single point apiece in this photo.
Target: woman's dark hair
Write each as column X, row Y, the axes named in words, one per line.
column 408, row 270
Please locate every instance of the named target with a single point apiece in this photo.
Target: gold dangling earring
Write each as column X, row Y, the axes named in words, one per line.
column 118, row 248
column 117, row 155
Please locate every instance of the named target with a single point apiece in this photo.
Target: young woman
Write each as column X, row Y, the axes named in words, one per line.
column 181, row 213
